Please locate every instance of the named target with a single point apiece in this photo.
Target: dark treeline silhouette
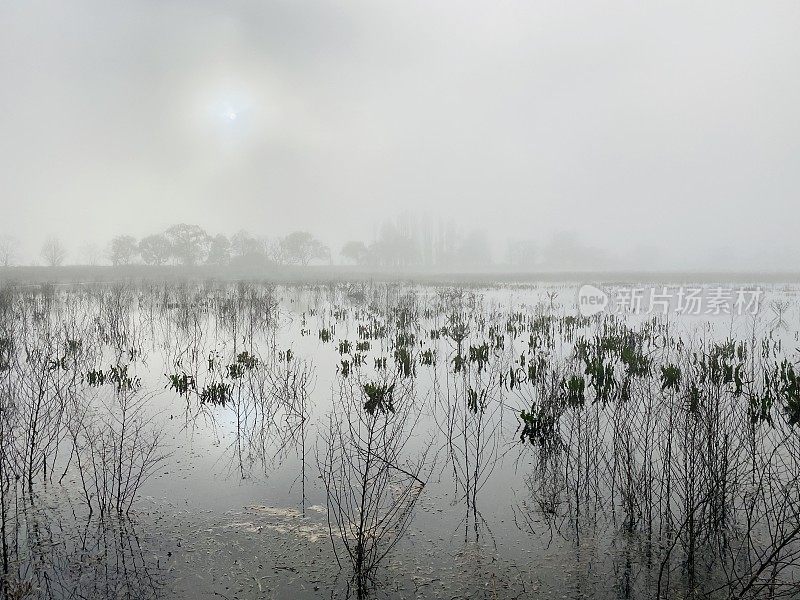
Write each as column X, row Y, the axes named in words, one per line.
column 400, row 242
column 191, row 245
column 403, row 242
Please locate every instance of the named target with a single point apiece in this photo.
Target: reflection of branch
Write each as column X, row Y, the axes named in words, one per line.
column 765, row 564
column 674, row 543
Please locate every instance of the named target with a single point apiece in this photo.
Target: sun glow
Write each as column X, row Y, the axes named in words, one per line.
column 232, row 113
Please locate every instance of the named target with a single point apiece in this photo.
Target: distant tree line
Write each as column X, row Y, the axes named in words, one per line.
column 564, row 250
column 406, row 241
column 191, row 245
column 184, row 244
column 403, row 241
column 400, row 242
column 8, row 250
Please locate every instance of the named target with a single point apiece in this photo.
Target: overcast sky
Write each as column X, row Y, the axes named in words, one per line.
column 666, row 128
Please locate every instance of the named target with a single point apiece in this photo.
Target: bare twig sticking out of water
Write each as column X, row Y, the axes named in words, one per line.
column 371, row 487
column 116, row 451
column 291, row 382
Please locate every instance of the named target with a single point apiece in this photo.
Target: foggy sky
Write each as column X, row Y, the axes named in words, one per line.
column 649, row 129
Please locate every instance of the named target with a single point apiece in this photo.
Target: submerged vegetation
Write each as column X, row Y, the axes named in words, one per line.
column 670, row 448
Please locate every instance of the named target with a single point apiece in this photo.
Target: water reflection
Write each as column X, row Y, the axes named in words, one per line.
column 661, row 461
column 57, row 554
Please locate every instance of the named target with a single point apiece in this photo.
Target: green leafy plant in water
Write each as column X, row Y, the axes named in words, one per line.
column 247, row 360
column 574, row 390
column 380, row 397
column 670, row 377
column 344, row 368
column 182, row 383
column 72, row 347
column 760, row 406
column 479, row 355
column 636, row 363
column 497, row 338
column 404, row 340
column 476, row 401
column 724, row 364
column 122, row 381
column 244, row 362
column 539, row 426
column 781, row 387
column 601, row 377
column 404, row 360
column 457, row 329
column 218, row 394
column 693, row 396
column 537, row 368
column 95, row 377
column 514, row 378
column 235, row 371
column 58, row 363
column 789, row 387
column 427, row 357
column 373, row 331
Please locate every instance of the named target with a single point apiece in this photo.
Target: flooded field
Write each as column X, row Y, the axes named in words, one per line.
column 208, row 440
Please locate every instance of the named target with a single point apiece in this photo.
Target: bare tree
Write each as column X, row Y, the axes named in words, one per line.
column 123, row 250
column 8, row 250
column 300, row 247
column 371, row 486
column 116, row 450
column 53, row 251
